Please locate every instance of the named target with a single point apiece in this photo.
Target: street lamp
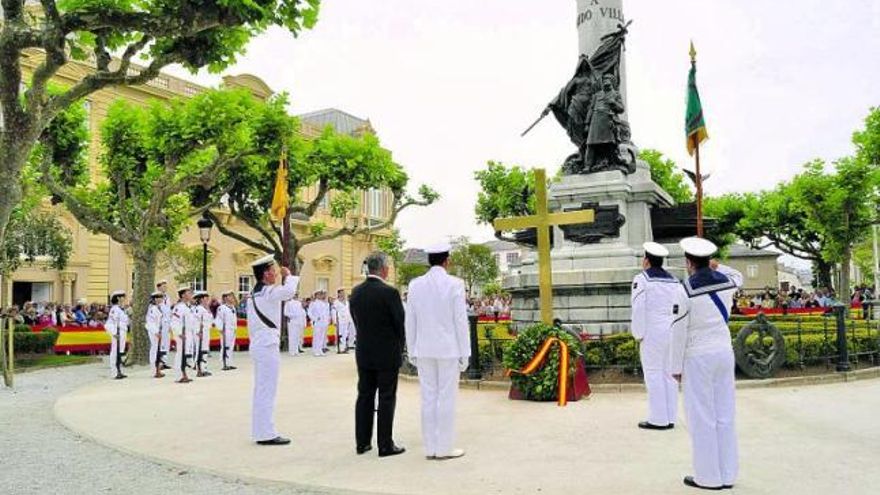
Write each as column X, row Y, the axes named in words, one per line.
column 205, row 224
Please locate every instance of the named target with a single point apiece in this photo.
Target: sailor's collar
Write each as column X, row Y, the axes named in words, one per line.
column 706, row 280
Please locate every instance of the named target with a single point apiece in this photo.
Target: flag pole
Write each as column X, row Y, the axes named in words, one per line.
column 699, row 184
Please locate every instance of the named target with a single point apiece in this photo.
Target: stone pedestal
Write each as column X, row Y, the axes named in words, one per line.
column 592, row 282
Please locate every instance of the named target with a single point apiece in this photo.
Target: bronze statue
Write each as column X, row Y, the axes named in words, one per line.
column 590, row 110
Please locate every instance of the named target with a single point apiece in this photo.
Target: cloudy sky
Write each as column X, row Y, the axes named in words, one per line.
column 450, row 84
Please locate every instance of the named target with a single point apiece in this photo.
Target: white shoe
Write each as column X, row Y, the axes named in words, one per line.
column 455, row 454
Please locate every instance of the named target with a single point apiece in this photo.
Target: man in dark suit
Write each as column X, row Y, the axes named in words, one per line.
column 378, row 315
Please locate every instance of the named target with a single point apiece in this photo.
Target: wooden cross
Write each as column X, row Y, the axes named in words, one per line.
column 543, row 220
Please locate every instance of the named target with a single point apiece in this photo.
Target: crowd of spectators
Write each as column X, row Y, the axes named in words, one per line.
column 799, row 298
column 54, row 314
column 497, row 307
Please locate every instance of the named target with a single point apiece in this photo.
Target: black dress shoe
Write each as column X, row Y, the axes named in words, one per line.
column 165, row 366
column 394, row 450
column 363, row 449
column 689, row 481
column 650, row 426
column 727, row 487
column 274, row 441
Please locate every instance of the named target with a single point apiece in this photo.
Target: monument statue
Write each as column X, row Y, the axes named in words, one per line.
column 590, row 108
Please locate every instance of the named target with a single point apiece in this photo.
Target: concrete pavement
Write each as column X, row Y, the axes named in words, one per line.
column 809, row 440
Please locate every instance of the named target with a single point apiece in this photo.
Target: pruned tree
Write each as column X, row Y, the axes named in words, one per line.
column 346, row 165
column 153, row 157
column 473, row 263
column 111, row 36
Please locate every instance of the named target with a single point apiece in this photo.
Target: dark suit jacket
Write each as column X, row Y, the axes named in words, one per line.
column 379, row 319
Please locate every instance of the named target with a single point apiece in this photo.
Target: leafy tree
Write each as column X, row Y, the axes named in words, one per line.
column 335, row 162
column 493, row 289
column 202, row 34
column 406, row 272
column 867, row 140
column 665, row 173
column 184, row 262
column 152, row 158
column 504, row 192
column 392, row 246
column 473, row 263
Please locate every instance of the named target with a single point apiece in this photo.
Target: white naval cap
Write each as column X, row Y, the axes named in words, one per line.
column 697, row 246
column 655, row 249
column 442, row 247
column 157, row 293
column 182, row 289
column 116, row 293
column 200, row 293
column 265, row 260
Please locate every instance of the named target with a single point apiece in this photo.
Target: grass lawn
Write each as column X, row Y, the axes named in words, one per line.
column 40, row 361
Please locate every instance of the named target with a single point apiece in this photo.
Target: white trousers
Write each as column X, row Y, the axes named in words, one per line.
column 710, row 404
column 154, row 348
column 116, row 346
column 295, row 332
column 166, row 337
column 266, row 364
column 345, row 330
column 438, row 381
column 228, row 342
column 662, row 397
column 319, row 339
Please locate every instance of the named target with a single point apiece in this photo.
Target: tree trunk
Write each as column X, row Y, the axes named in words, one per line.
column 4, row 367
column 823, row 274
column 144, row 283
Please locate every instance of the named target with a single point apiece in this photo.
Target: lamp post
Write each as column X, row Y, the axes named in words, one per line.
column 205, row 224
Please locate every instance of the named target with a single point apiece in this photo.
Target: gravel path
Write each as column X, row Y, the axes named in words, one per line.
column 39, row 456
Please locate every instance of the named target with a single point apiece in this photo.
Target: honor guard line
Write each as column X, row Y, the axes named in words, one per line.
column 543, row 220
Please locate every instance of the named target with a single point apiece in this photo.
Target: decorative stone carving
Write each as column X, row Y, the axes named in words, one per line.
column 608, row 223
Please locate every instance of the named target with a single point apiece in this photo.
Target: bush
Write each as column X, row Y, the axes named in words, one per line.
column 543, row 383
column 30, row 342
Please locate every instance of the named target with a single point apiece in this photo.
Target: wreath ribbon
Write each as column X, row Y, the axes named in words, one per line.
column 539, row 359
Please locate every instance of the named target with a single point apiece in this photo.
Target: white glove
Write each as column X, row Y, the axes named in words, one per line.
column 462, row 364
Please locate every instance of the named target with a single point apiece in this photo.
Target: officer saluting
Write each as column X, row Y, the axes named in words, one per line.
column 264, row 330
column 656, row 302
column 702, row 358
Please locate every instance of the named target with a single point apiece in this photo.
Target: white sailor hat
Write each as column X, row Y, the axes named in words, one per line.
column 443, row 247
column 655, row 249
column 182, row 289
column 156, row 294
column 265, row 260
column 161, row 282
column 116, row 293
column 698, row 247
column 200, row 293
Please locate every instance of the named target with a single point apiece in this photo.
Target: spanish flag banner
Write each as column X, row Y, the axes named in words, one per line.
column 695, row 125
column 280, row 199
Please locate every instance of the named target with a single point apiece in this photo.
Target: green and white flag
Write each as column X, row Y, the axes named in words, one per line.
column 695, row 124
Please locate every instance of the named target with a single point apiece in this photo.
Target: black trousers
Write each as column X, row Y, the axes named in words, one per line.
column 369, row 382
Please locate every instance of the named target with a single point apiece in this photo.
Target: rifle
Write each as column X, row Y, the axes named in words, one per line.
column 537, row 121
column 223, row 341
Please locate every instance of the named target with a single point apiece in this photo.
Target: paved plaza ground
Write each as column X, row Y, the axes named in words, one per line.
column 807, row 440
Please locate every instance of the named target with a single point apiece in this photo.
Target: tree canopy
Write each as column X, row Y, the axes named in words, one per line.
column 473, row 263
column 343, row 164
column 666, row 174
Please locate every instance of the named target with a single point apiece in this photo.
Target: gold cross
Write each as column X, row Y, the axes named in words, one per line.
column 543, row 220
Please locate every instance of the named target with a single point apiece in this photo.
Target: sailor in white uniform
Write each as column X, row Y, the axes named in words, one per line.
column 656, row 302
column 702, row 358
column 165, row 306
column 319, row 313
column 296, row 325
column 205, row 320
column 264, row 330
column 154, row 331
column 226, row 323
column 344, row 323
column 438, row 344
column 183, row 325
column 117, row 326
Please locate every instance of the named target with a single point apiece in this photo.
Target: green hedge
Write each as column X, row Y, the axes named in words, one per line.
column 543, row 384
column 30, row 342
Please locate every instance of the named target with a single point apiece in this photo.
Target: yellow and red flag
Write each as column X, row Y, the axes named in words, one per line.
column 280, row 198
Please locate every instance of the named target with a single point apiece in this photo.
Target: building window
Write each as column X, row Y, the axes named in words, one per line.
column 322, row 283
column 512, row 258
column 245, row 285
column 497, row 258
column 752, row 271
column 87, row 106
column 197, row 284
column 376, row 203
column 325, row 201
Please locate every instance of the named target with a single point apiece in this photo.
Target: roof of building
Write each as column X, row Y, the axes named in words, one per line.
column 342, row 122
column 742, row 251
column 415, row 256
column 498, row 246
